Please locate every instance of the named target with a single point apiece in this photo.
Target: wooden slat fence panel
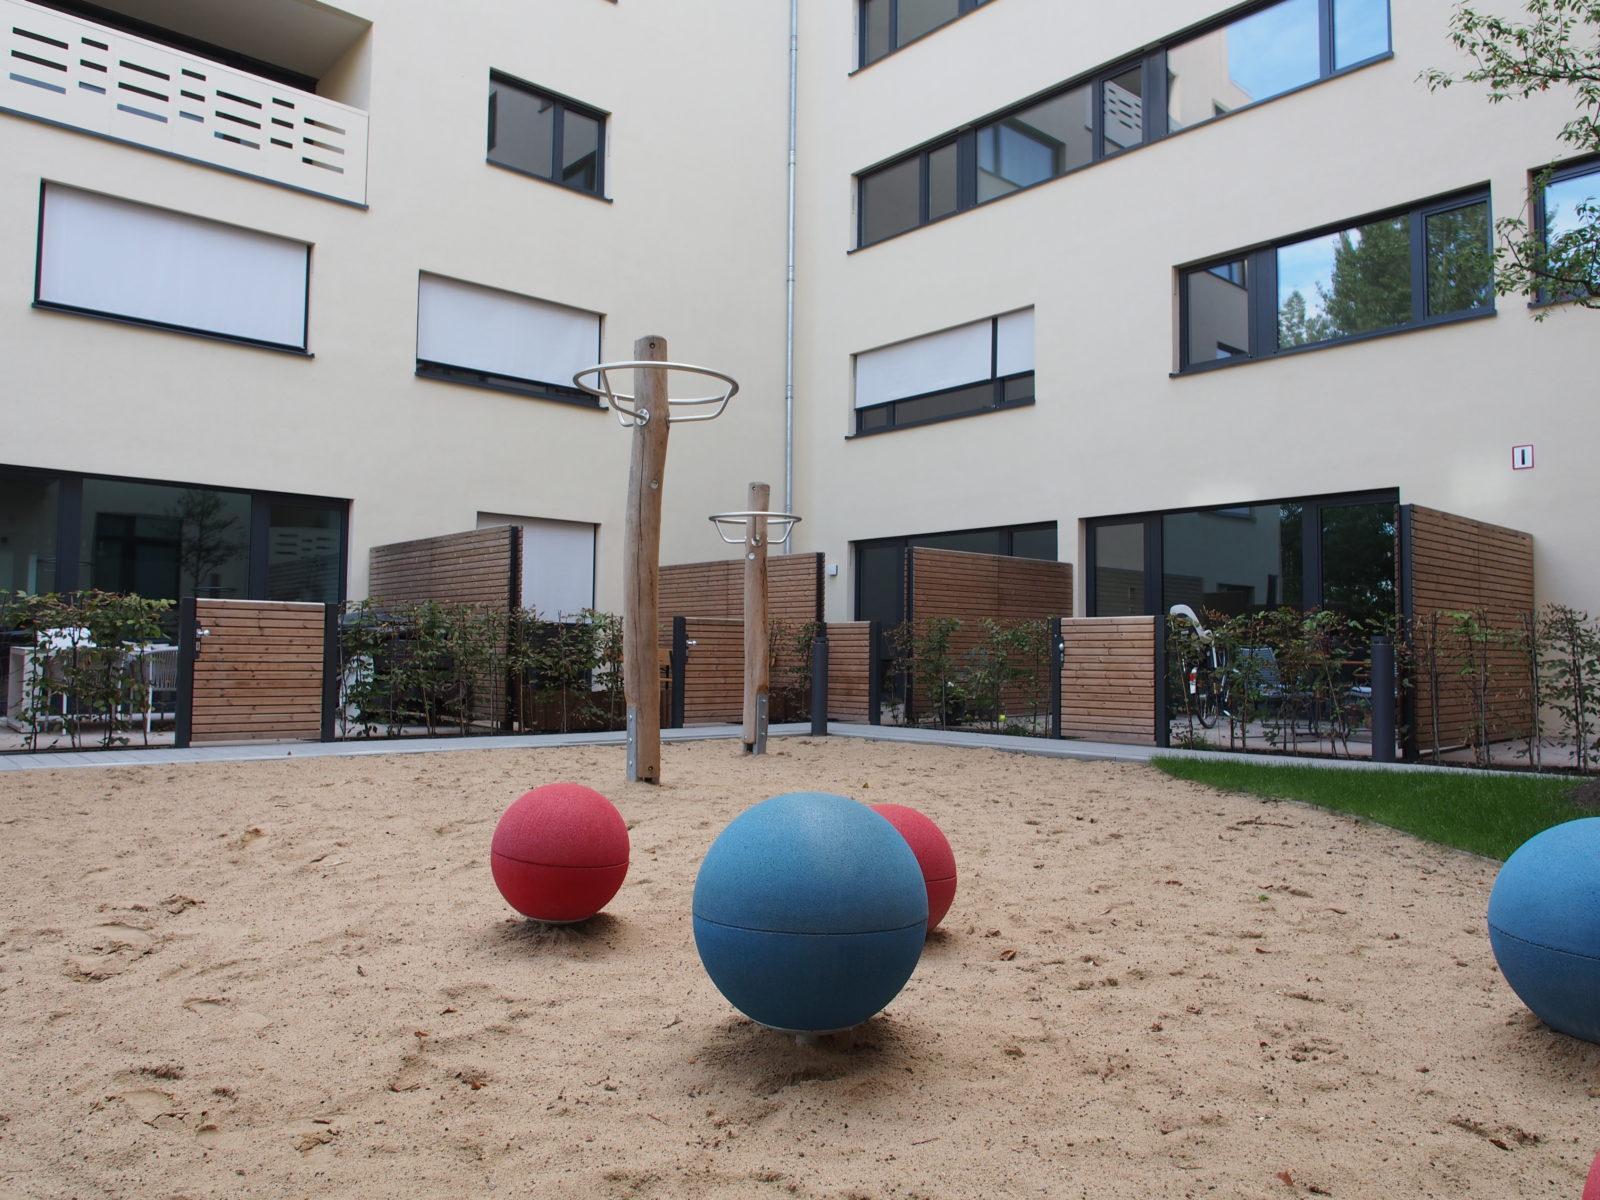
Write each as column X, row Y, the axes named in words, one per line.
column 474, row 567
column 971, row 587
column 1108, row 679
column 1461, row 565
column 850, row 652
column 478, row 566
column 716, row 589
column 258, row 674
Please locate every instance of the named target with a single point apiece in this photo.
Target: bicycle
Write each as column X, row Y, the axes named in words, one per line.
column 1205, row 682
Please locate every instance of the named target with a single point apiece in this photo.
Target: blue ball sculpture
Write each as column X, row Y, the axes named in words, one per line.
column 1544, row 926
column 809, row 913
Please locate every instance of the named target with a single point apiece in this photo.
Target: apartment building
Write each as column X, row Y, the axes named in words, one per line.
column 1189, row 296
column 284, row 281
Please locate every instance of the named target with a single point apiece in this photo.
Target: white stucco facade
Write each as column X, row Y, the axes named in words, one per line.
column 688, row 241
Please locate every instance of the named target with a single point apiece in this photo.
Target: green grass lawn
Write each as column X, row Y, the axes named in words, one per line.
column 1487, row 814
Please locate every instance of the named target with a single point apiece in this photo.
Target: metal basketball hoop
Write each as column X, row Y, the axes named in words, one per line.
column 742, row 522
column 629, row 413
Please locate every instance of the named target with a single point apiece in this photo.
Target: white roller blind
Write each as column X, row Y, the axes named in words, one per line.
column 557, row 563
column 925, row 364
column 1014, row 343
column 501, row 333
column 123, row 259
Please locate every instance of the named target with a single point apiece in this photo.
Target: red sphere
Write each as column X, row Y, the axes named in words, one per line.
column 559, row 853
column 934, row 856
column 1591, row 1189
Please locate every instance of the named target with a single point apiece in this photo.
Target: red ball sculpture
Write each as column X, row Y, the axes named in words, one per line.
column 559, row 853
column 934, row 856
column 1591, row 1188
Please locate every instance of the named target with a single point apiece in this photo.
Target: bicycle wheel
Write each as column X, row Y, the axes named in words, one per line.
column 1206, row 707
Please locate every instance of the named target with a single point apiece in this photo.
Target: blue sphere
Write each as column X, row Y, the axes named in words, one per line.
column 1544, row 926
column 810, row 912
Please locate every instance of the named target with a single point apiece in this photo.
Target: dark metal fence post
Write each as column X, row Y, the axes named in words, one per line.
column 188, row 647
column 1163, row 730
column 330, row 669
column 874, row 674
column 819, row 686
column 680, row 668
column 1058, row 663
column 1382, row 700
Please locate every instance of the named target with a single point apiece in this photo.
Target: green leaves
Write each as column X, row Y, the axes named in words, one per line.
column 1558, row 46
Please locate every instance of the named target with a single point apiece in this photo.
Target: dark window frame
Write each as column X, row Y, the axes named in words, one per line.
column 996, row 385
column 303, row 350
column 534, row 388
column 1312, row 566
column 1152, row 62
column 562, row 105
column 964, row 7
column 1261, row 273
column 1540, row 183
column 900, row 414
column 69, row 521
column 516, row 385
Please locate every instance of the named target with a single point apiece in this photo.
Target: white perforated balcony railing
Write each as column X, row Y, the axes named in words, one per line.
column 83, row 76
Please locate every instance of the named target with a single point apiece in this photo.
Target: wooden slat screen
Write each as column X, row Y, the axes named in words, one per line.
column 474, row 567
column 258, row 673
column 971, row 587
column 953, row 583
column 716, row 589
column 1108, row 679
column 1460, row 565
column 850, row 652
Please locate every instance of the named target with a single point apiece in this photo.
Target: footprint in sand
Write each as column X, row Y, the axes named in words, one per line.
column 151, row 1104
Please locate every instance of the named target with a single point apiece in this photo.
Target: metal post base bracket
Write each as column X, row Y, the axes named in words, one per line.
column 759, row 746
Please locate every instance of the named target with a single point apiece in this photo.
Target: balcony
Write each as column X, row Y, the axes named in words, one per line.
column 80, row 75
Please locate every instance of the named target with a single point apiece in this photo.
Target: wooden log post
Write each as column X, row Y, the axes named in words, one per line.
column 757, row 665
column 641, row 674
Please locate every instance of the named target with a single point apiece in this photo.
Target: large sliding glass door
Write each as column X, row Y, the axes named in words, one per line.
column 65, row 533
column 1333, row 552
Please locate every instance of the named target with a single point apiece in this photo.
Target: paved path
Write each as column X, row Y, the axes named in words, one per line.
column 254, row 751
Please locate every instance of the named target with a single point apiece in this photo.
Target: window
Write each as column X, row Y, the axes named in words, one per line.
column 1569, row 226
column 105, row 257
column 886, row 25
column 489, row 338
column 974, row 368
column 68, row 533
column 1271, row 51
column 1194, row 78
column 545, row 135
column 1332, row 552
column 557, row 564
column 1424, row 265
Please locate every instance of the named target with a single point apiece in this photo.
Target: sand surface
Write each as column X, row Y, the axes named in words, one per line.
column 296, row 978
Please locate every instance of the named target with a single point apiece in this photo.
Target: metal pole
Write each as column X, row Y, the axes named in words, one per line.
column 819, row 686
column 757, row 670
column 1382, row 700
column 789, row 298
column 1058, row 654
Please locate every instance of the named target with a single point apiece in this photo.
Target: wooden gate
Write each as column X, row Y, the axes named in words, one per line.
column 254, row 670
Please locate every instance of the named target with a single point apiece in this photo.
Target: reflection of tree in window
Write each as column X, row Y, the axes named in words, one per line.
column 1366, row 284
column 1358, row 561
column 1570, row 236
column 207, row 541
column 1459, row 260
